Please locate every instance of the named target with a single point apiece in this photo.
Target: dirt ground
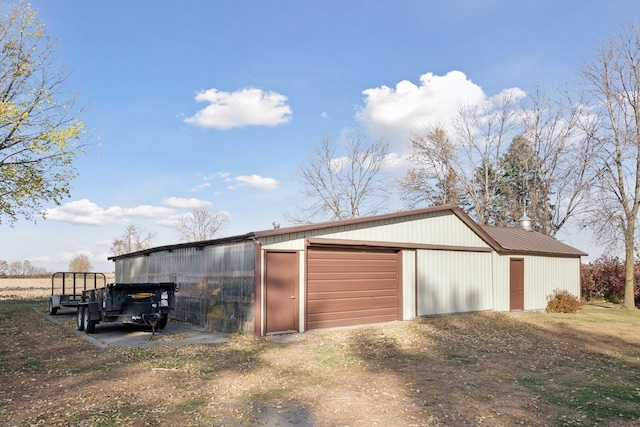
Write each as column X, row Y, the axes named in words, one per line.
column 494, row 369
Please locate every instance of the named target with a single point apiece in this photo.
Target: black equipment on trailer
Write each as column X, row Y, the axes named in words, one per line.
column 139, row 303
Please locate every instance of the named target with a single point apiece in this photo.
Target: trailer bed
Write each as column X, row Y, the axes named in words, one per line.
column 67, row 288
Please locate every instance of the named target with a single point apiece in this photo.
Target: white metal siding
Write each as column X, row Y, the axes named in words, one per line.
column 287, row 242
column 301, row 292
column 450, row 282
column 454, row 282
column 542, row 276
column 408, row 268
column 439, row 228
column 500, row 265
column 431, row 229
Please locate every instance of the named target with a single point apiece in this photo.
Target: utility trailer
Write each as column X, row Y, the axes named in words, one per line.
column 137, row 303
column 67, row 288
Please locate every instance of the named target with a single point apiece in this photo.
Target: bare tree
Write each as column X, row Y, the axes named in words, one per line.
column 432, row 180
column 462, row 165
column 40, row 134
column 132, row 239
column 505, row 158
column 558, row 188
column 201, row 224
column 80, row 264
column 348, row 186
column 24, row 268
column 15, row 268
column 612, row 79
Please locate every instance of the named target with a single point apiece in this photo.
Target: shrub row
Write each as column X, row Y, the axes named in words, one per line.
column 604, row 279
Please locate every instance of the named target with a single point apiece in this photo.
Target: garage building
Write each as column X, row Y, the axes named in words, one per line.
column 357, row 271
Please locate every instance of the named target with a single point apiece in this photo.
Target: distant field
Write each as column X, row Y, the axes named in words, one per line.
column 30, row 288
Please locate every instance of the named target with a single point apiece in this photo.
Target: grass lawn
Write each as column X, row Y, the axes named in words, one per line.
column 495, row 369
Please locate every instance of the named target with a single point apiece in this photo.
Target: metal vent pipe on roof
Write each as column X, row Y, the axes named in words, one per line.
column 525, row 222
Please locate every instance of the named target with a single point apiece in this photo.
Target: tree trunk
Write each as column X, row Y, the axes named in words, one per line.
column 629, row 279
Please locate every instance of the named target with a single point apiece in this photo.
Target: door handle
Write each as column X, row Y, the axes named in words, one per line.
column 293, row 297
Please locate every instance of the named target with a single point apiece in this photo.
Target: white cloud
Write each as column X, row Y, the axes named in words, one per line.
column 60, row 257
column 397, row 163
column 80, row 212
column 182, row 203
column 220, row 174
column 200, row 187
column 106, row 243
column 398, row 113
column 147, row 211
column 245, row 107
column 86, row 212
column 171, row 221
column 256, row 181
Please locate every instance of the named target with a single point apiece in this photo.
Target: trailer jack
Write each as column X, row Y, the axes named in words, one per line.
column 152, row 319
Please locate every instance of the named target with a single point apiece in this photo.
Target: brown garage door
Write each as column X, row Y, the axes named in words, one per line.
column 352, row 287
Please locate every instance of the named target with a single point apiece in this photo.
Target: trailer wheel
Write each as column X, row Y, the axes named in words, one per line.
column 52, row 309
column 80, row 317
column 162, row 323
column 89, row 325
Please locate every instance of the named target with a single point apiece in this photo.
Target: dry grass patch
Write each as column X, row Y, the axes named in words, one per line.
column 29, row 289
column 35, row 288
column 496, row 369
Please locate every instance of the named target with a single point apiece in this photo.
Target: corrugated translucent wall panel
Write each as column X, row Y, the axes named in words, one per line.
column 230, row 281
column 132, row 270
column 139, row 270
column 215, row 282
column 121, row 267
column 454, row 282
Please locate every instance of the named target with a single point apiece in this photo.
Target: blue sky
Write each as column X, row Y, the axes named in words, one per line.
column 217, row 103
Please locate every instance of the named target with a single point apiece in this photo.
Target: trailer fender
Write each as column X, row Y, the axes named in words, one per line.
column 54, row 304
column 55, row 301
column 94, row 311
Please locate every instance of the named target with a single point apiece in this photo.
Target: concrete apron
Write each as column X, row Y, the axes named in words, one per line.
column 125, row 335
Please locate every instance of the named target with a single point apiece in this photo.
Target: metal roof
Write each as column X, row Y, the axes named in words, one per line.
column 518, row 240
column 501, row 239
column 200, row 244
column 350, row 221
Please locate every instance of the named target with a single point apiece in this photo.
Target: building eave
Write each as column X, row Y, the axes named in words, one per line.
column 170, row 248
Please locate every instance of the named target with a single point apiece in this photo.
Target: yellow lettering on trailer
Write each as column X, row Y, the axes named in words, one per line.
column 141, row 295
